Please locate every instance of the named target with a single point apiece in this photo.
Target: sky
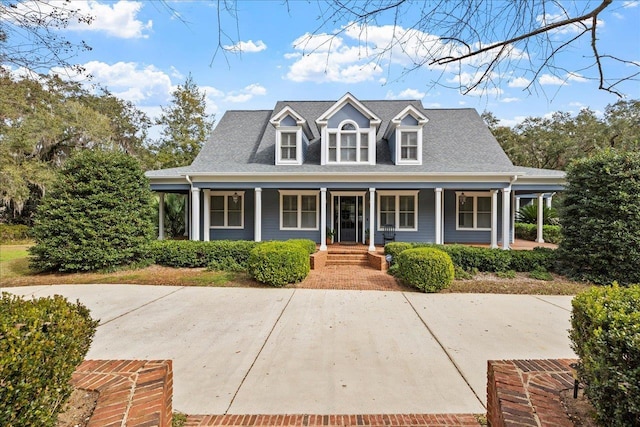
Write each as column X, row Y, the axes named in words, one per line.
column 141, row 51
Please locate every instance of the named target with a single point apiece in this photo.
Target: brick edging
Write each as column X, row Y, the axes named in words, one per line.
column 132, row 392
column 527, row 392
column 424, row 420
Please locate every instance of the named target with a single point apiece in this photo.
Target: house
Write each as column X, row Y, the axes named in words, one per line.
column 352, row 167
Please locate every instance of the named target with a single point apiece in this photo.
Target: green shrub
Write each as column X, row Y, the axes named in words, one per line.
column 97, row 216
column 11, row 233
column 530, row 260
column 484, row 259
column 550, row 233
column 528, row 214
column 226, row 264
column 462, row 274
column 541, row 273
column 308, row 244
column 605, row 332
column 509, row 274
column 278, row 263
column 192, row 253
column 601, row 219
column 428, row 269
column 42, row 342
column 394, row 249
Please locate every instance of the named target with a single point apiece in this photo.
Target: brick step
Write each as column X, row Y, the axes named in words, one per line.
column 348, row 262
column 347, row 256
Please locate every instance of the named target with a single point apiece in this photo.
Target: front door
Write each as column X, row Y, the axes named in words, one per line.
column 348, row 219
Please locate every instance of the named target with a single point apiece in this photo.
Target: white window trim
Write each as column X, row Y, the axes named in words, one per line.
column 397, row 195
column 226, row 195
column 358, row 132
column 399, row 130
column 299, row 209
column 289, row 129
column 471, row 195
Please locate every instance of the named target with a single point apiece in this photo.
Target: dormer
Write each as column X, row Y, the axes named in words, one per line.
column 348, row 133
column 405, row 136
column 292, row 137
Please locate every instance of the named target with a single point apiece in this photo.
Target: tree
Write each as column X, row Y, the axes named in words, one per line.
column 97, row 216
column 186, row 126
column 30, row 36
column 487, row 41
column 600, row 219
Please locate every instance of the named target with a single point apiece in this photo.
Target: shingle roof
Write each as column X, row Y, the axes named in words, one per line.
column 454, row 141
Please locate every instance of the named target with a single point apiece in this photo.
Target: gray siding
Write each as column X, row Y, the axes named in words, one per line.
column 451, row 235
column 288, row 121
column 348, row 112
column 392, row 146
column 234, row 234
column 409, row 120
column 426, row 221
column 271, row 220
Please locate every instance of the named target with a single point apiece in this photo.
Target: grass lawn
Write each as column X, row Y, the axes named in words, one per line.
column 14, row 271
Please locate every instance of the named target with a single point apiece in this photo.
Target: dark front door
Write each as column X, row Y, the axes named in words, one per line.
column 348, row 219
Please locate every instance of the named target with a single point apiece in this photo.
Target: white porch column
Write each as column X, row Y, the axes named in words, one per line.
column 517, row 203
column 160, row 216
column 506, row 217
column 540, row 239
column 513, row 217
column 494, row 219
column 207, row 215
column 186, row 215
column 195, row 213
column 323, row 219
column 549, row 200
column 438, row 216
column 372, row 219
column 257, row 226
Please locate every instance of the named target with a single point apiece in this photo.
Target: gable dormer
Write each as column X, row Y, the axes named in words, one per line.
column 405, row 136
column 348, row 133
column 292, row 137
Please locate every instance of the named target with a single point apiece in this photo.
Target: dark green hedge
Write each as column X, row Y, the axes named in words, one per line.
column 605, row 331
column 308, row 244
column 10, row 233
column 41, row 343
column 471, row 258
column 550, row 233
column 601, row 219
column 191, row 253
column 428, row 269
column 278, row 263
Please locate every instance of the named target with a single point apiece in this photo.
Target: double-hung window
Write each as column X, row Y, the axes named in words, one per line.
column 299, row 210
column 226, row 209
column 398, row 208
column 289, row 141
column 473, row 211
column 409, row 145
column 348, row 144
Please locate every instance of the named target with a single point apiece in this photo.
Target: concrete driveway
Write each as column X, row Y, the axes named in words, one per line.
column 276, row 351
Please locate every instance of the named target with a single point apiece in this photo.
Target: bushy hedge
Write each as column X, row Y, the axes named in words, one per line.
column 10, row 233
column 428, row 269
column 470, row 258
column 550, row 233
column 191, row 253
column 41, row 343
column 308, row 244
column 605, row 332
column 601, row 219
column 278, row 263
column 97, row 216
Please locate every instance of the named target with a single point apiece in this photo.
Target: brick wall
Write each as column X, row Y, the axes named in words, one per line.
column 318, row 260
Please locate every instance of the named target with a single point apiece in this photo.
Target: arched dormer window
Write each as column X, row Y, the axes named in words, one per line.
column 348, row 143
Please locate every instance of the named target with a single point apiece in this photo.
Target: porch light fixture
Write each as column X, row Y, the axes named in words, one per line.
column 235, row 197
column 463, row 199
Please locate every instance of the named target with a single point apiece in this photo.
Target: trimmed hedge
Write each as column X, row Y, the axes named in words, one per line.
column 42, row 342
column 605, row 332
column 470, row 258
column 191, row 253
column 550, row 233
column 428, row 269
column 278, row 263
column 10, row 233
column 308, row 244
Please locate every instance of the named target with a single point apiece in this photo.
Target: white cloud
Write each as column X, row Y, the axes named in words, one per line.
column 512, row 122
column 116, row 19
column 575, row 77
column 247, row 47
column 175, row 73
column 433, row 105
column 317, row 43
column 630, row 4
column 466, row 80
column 406, row 94
column 509, row 100
column 519, row 82
column 575, row 28
column 617, row 15
column 245, row 94
column 548, row 79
